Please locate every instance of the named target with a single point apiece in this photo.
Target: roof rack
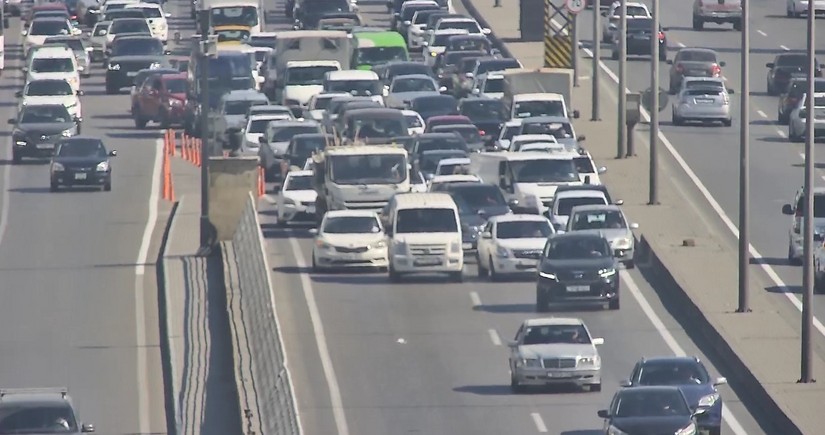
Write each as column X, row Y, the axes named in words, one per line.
column 63, row 391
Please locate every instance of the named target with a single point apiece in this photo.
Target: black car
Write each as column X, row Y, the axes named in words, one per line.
column 476, row 203
column 785, row 67
column 788, row 100
column 577, row 269
column 128, row 56
column 308, row 12
column 487, row 114
column 437, row 141
column 434, row 105
column 639, row 32
column 427, row 162
column 81, row 161
column 301, row 147
column 389, row 70
column 691, row 377
column 38, row 128
column 651, row 410
column 470, row 134
column 471, row 42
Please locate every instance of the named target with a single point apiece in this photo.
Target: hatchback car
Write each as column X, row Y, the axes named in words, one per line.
column 638, row 39
column 296, row 200
column 609, row 221
column 511, row 244
column 81, row 162
column 702, row 105
column 693, row 62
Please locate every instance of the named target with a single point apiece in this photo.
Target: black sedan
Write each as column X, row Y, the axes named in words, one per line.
column 487, row 114
column 650, row 410
column 639, row 32
column 81, row 161
column 785, row 67
column 577, row 269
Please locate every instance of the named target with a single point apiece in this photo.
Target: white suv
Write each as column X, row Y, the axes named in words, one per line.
column 155, row 18
column 57, row 62
column 795, row 233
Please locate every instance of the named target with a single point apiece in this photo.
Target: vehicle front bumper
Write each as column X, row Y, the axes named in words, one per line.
column 541, row 376
column 514, row 265
column 712, row 418
column 75, row 177
column 37, row 149
column 574, row 292
column 453, row 262
column 369, row 258
column 303, row 212
column 702, row 112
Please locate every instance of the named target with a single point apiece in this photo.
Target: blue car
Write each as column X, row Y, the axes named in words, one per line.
column 692, row 378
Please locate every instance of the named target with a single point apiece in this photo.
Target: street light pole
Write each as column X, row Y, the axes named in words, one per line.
column 653, row 191
column 597, row 55
column 808, row 231
column 744, row 163
column 622, row 127
column 205, row 225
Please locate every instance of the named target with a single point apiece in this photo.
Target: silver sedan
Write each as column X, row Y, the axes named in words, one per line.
column 798, row 118
column 702, row 105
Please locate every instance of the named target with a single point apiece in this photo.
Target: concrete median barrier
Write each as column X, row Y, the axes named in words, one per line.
column 230, row 182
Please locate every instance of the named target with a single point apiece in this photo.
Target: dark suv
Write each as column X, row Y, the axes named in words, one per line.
column 130, row 54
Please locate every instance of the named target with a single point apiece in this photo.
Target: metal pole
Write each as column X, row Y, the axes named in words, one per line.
column 808, row 234
column 622, row 127
column 574, row 22
column 597, row 55
column 205, row 225
column 744, row 164
column 653, row 170
column 631, row 144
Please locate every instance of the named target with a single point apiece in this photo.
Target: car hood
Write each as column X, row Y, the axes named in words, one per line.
column 80, row 161
column 557, row 350
column 531, row 243
column 353, row 240
column 582, row 264
column 651, row 425
column 116, row 59
column 45, row 128
column 407, row 96
column 301, row 195
column 611, row 234
column 66, row 100
column 301, row 93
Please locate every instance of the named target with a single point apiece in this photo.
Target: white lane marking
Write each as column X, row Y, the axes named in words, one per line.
column 4, row 213
column 140, row 312
column 823, row 177
column 781, row 134
column 671, row 342
column 321, row 340
column 761, row 113
column 680, row 45
column 802, row 156
column 475, row 299
column 761, row 32
column 540, row 426
column 494, row 337
column 784, row 48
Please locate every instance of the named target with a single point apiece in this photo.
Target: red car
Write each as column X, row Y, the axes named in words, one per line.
column 54, row 6
column 161, row 99
column 435, row 121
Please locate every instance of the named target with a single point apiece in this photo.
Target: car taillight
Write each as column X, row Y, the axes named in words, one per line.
column 792, row 100
column 798, row 212
column 715, row 70
column 661, row 36
column 482, row 132
column 680, row 68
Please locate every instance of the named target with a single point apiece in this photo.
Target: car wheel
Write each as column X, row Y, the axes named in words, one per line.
column 630, row 264
column 727, row 122
column 457, row 277
column 482, row 271
column 791, row 259
column 594, row 388
column 139, row 121
column 737, row 25
column 164, row 120
column 107, row 186
column 698, row 24
column 613, row 304
column 494, row 276
column 677, row 120
column 770, row 89
column 53, row 187
column 542, row 304
column 315, row 267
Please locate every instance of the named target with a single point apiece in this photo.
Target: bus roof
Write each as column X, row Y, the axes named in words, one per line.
column 379, row 39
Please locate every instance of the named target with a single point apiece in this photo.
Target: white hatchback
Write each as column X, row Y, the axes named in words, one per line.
column 51, row 91
column 512, row 244
column 296, row 199
column 350, row 238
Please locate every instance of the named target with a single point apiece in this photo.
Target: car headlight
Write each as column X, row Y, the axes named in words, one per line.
column 607, row 273
column 528, row 362
column 67, row 133
column 57, row 167
column 590, row 361
column 175, row 102
column 378, row 245
column 400, row 248
column 322, row 244
column 623, row 243
column 613, row 430
column 502, row 252
column 102, row 167
column 114, row 67
column 455, row 247
column 709, row 400
column 548, row 275
column 687, row 430
column 433, row 54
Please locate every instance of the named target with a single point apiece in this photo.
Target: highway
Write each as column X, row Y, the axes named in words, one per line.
column 427, row 357
column 79, row 305
column 712, row 152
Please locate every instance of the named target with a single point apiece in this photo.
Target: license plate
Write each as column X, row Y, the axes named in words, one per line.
column 80, row 176
column 45, row 146
column 466, row 246
column 428, row 262
column 578, row 288
column 310, row 209
column 131, row 73
column 704, row 101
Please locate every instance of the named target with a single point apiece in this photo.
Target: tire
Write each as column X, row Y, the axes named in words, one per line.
column 594, row 388
column 482, row 272
column 107, row 186
column 15, row 157
column 164, row 120
column 737, row 25
column 782, row 119
column 677, row 121
column 494, row 276
column 139, row 121
column 457, row 277
column 791, row 259
column 515, row 387
column 315, row 267
column 727, row 122
column 698, row 24
column 613, row 304
column 770, row 89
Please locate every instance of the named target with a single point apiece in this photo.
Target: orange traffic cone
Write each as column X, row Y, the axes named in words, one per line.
column 261, row 182
column 164, row 182
column 197, row 153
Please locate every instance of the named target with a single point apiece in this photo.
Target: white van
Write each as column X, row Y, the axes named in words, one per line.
column 424, row 235
column 527, row 179
column 57, row 63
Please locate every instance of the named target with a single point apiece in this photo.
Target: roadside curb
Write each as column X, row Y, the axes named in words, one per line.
column 167, row 357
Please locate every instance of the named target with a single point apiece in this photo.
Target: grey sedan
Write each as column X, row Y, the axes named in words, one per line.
column 702, row 105
column 610, row 221
column 693, row 62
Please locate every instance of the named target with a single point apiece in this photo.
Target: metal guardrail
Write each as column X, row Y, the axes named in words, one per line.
column 264, row 385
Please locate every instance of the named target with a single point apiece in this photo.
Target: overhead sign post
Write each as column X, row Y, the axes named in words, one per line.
column 574, row 7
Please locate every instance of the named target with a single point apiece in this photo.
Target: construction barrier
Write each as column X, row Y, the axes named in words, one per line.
column 167, row 187
column 558, row 42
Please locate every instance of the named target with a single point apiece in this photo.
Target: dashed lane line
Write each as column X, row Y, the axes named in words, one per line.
column 475, row 299
column 494, row 337
column 540, row 426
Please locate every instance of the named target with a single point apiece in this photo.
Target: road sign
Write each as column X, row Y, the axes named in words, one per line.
column 574, row 6
column 658, row 99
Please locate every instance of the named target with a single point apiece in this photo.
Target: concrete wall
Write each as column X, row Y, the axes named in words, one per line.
column 231, row 180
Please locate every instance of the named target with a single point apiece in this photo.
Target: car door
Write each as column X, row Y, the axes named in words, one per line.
column 153, row 100
column 144, row 96
column 514, row 354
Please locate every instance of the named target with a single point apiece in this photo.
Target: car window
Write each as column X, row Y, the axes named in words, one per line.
column 819, row 205
column 300, row 182
column 82, row 148
column 40, row 88
column 524, row 230
column 555, row 334
column 696, row 56
column 673, row 373
column 791, row 60
column 351, row 225
column 577, row 248
column 565, row 205
column 598, row 220
column 37, row 419
column 426, row 220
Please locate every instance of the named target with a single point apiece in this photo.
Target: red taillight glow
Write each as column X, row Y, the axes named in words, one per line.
column 661, row 36
column 482, row 132
column 680, row 68
column 715, row 70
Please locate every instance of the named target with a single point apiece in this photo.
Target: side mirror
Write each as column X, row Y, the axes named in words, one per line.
column 581, row 138
column 787, row 209
column 513, row 203
column 168, row 15
column 486, row 235
column 407, row 23
column 601, row 170
column 80, row 93
column 486, row 31
column 12, row 121
column 669, row 61
column 313, row 231
column 18, row 94
column 425, row 44
column 576, row 114
column 87, row 428
column 78, row 119
column 634, row 226
column 597, row 341
column 730, row 92
column 625, row 383
column 512, row 343
column 476, row 91
column 167, row 52
column 769, row 64
column 442, row 89
column 700, row 410
column 113, row 153
column 720, row 381
column 603, row 413
column 25, row 69
column 722, row 63
column 619, row 202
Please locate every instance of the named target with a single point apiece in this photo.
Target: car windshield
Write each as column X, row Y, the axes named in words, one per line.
column 426, row 220
column 308, row 75
column 322, row 103
column 41, row 419
column 240, row 16
column 564, row 205
column 413, row 121
column 703, row 93
column 496, row 65
column 469, row 26
column 526, row 109
column 673, row 373
column 299, row 182
column 819, row 205
column 475, row 197
column 469, row 44
column 49, row 28
column 284, row 134
column 351, row 225
column 408, row 69
column 379, row 55
column 44, row 114
column 445, row 104
column 232, row 35
column 524, row 230
column 360, row 87
column 494, row 85
column 258, row 126
column 639, row 403
column 52, row 65
column 696, row 56
column 237, row 107
column 577, row 248
column 138, row 47
column 304, row 147
column 469, row 133
column 413, row 85
column 42, row 88
column 369, row 127
column 131, row 25
column 792, row 60
column 176, row 86
column 632, row 11
column 82, row 148
column 544, row 171
column 555, row 334
column 561, row 130
column 453, row 169
column 598, row 220
column 484, row 110
column 150, row 12
column 369, row 168
column 443, row 143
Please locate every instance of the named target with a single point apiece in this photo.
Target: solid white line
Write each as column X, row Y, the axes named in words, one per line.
column 784, row 48
column 761, row 113
column 781, row 133
column 475, row 299
column 494, row 337
column 761, row 33
column 321, row 340
column 151, row 220
column 680, row 44
column 540, row 426
column 671, row 342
